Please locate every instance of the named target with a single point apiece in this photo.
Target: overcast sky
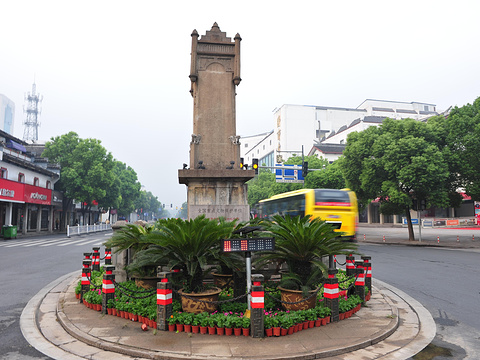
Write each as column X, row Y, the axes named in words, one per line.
column 118, row 71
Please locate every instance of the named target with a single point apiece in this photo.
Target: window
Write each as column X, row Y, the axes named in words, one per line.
column 246, row 145
column 48, row 185
column 36, row 181
column 3, row 173
column 425, row 107
column 21, row 177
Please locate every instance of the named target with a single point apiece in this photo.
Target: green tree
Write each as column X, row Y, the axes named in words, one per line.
column 148, row 203
column 461, row 133
column 129, row 188
column 398, row 162
column 86, row 172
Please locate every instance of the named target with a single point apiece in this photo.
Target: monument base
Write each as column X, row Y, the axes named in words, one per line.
column 216, row 193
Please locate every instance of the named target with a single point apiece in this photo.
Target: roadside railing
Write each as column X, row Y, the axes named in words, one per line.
column 85, row 229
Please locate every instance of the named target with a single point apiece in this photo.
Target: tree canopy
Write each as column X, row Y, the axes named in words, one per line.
column 398, row 162
column 89, row 173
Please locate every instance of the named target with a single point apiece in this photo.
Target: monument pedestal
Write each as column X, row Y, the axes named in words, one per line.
column 216, row 193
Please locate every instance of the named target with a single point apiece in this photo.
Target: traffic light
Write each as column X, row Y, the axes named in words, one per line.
column 304, row 168
column 241, row 163
column 255, row 165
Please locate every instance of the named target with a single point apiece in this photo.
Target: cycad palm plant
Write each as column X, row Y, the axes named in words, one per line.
column 301, row 242
column 190, row 245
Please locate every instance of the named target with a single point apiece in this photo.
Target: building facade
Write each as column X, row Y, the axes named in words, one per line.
column 25, row 188
column 302, row 126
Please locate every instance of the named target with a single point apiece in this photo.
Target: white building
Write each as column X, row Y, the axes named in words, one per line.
column 7, row 114
column 297, row 126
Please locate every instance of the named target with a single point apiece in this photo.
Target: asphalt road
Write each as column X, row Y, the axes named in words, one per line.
column 26, row 266
column 445, row 281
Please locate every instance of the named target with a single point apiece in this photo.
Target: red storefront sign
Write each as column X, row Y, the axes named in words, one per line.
column 11, row 191
column 37, row 195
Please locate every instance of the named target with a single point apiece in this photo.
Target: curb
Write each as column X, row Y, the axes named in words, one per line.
column 129, row 350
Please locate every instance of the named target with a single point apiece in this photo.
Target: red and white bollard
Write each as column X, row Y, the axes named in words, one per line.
column 364, row 237
column 438, row 239
column 350, row 265
column 458, row 238
column 108, row 256
column 164, row 301
column 108, row 287
column 96, row 259
column 383, row 238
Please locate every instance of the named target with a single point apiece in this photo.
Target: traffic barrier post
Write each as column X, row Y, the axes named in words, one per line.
column 350, row 265
column 86, row 274
column 360, row 281
column 108, row 287
column 164, row 300
column 367, row 264
column 96, row 259
column 108, row 256
column 257, row 305
column 331, row 293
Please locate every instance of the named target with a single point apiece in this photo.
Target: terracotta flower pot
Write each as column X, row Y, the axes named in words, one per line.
column 134, row 317
column 291, row 330
column 228, row 331
column 295, row 296
column 269, row 332
column 109, row 311
column 311, row 324
column 341, row 316
column 154, row 324
column 195, row 329
column 246, row 331
column 324, row 321
column 283, row 332
column 305, row 324
column 318, row 322
column 191, row 304
column 171, row 327
column 179, row 327
column 300, row 327
column 276, row 331
column 203, row 329
column 211, row 330
column 220, row 330
column 237, row 331
column 114, row 312
column 187, row 328
column 77, row 296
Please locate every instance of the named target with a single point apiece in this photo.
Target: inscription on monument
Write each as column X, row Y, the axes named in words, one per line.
column 229, row 212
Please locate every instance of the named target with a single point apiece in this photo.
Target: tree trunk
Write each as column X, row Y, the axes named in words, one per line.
column 411, row 235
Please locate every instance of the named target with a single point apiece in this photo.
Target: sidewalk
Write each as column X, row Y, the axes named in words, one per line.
column 392, row 326
column 455, row 238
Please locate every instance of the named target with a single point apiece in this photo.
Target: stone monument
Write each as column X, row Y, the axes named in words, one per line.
column 215, row 182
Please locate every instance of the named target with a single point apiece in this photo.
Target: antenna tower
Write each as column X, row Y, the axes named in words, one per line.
column 32, row 110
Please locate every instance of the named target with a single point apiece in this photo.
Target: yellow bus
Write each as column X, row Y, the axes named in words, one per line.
column 336, row 207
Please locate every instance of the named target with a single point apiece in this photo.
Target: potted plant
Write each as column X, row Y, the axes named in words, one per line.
column 195, row 324
column 229, row 324
column 301, row 243
column 203, row 321
column 211, row 323
column 267, row 323
column 245, row 325
column 190, row 245
column 220, row 323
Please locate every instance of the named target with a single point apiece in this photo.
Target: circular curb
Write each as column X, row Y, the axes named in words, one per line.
column 139, row 352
